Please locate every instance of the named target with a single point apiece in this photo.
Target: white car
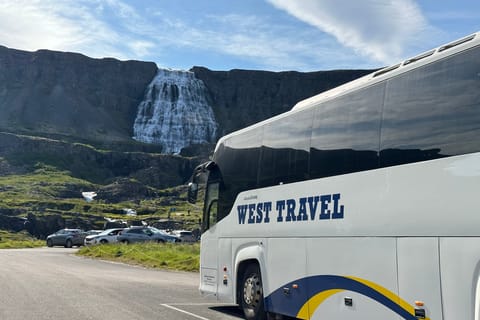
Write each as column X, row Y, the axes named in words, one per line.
column 184, row 235
column 107, row 236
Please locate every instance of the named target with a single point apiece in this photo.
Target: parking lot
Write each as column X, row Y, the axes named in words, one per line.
column 53, row 283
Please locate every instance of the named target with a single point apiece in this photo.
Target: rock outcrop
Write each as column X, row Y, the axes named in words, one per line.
column 58, row 93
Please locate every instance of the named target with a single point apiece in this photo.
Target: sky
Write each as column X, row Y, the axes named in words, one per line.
column 274, row 35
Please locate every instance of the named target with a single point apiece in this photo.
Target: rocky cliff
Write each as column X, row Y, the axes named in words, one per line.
column 68, row 94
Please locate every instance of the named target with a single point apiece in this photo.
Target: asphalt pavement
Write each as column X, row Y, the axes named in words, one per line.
column 53, row 283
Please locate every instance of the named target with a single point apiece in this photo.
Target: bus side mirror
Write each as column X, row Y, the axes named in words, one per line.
column 192, row 192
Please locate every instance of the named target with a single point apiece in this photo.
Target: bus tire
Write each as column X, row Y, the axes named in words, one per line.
column 251, row 293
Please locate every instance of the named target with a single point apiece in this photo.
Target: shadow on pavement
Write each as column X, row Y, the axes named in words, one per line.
column 233, row 311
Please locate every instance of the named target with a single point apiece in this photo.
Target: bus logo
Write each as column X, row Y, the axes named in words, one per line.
column 321, row 207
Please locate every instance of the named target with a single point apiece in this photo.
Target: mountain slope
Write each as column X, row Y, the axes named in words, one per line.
column 48, row 92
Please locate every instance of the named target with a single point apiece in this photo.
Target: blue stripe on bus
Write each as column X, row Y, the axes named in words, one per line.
column 295, row 301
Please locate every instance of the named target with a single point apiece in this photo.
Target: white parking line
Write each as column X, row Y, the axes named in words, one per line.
column 185, row 312
column 200, row 304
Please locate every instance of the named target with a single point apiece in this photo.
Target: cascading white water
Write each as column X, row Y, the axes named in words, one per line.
column 175, row 112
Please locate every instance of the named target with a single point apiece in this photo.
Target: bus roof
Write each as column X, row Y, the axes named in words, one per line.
column 396, row 69
column 417, row 61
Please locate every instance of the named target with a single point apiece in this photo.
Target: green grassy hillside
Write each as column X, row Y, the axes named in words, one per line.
column 47, row 199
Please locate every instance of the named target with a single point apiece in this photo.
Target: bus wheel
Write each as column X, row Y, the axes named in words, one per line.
column 252, row 294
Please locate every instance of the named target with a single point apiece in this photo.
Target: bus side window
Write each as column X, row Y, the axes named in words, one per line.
column 211, row 205
column 440, row 114
column 212, row 213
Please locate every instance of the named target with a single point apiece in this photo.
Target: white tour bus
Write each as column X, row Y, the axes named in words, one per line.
column 362, row 202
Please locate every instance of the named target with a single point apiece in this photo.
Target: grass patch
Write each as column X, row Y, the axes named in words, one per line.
column 9, row 240
column 48, row 190
column 182, row 257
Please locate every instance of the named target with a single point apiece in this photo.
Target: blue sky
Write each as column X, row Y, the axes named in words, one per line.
column 276, row 35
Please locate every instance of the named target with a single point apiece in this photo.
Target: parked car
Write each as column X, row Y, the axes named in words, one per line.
column 144, row 234
column 93, row 232
column 106, row 236
column 67, row 238
column 184, row 235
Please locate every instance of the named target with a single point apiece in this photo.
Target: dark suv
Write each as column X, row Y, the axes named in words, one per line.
column 66, row 238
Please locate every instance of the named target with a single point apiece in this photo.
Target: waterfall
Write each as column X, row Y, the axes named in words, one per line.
column 175, row 113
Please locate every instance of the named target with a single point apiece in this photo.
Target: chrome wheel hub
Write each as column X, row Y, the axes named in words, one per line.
column 252, row 290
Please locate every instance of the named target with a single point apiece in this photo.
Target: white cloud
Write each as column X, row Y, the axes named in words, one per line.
column 378, row 29
column 256, row 39
column 141, row 48
column 100, row 28
column 63, row 26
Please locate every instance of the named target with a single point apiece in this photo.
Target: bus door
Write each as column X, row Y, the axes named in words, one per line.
column 209, row 254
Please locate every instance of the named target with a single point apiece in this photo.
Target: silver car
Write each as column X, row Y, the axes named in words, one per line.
column 185, row 235
column 66, row 237
column 106, row 236
column 144, row 234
